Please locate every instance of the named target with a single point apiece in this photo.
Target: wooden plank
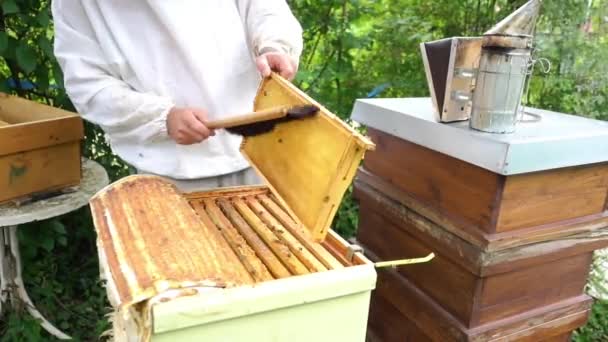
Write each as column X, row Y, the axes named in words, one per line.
column 17, row 110
column 503, row 295
column 560, row 338
column 25, row 137
column 461, row 191
column 487, row 242
column 302, row 235
column 271, row 261
column 340, row 249
column 426, row 314
column 393, row 325
column 459, row 250
column 241, row 191
column 378, row 185
column 553, row 196
column 280, row 249
column 474, row 259
column 308, row 163
column 254, row 266
column 430, row 317
column 539, row 324
column 305, row 256
column 29, row 172
column 442, row 279
column 336, row 253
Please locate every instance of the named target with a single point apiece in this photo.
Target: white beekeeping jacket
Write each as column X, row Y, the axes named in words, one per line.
column 126, row 63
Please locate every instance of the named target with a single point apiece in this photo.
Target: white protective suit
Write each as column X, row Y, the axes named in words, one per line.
column 126, row 63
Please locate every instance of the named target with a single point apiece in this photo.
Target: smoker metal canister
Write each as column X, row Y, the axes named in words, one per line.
column 504, row 67
column 499, row 89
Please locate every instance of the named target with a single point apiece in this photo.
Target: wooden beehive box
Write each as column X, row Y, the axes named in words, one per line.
column 244, row 263
column 514, row 221
column 39, row 148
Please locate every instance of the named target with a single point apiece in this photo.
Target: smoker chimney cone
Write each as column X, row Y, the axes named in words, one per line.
column 520, row 22
column 516, row 30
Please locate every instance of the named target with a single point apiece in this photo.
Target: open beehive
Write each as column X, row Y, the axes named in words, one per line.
column 37, row 141
column 243, row 263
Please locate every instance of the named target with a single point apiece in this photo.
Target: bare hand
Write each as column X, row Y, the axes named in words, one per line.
column 277, row 62
column 187, row 126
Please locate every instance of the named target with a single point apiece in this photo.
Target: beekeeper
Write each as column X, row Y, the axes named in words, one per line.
column 151, row 73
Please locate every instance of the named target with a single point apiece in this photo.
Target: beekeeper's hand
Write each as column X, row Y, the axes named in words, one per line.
column 278, row 62
column 187, row 125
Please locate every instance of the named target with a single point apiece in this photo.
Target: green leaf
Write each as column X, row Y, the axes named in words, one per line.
column 4, row 85
column 62, row 241
column 26, row 57
column 9, row 53
column 48, row 244
column 42, row 82
column 44, row 18
column 45, row 45
column 58, row 75
column 9, row 7
column 3, row 41
column 58, row 227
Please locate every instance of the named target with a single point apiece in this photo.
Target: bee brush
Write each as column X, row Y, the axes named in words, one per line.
column 263, row 121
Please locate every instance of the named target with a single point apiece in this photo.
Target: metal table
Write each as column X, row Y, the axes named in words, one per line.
column 12, row 289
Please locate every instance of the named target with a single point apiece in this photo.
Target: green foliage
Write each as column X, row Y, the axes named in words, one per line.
column 61, row 274
column 597, row 328
column 59, row 255
column 352, row 47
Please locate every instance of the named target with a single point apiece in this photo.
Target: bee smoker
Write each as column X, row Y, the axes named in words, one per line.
column 504, row 67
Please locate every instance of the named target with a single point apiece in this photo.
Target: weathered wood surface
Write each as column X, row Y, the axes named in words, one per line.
column 294, row 244
column 454, row 188
column 551, row 197
column 280, row 249
column 442, row 279
column 210, row 218
column 228, row 216
column 41, row 170
column 482, row 204
column 34, row 135
column 145, row 226
column 593, row 226
column 416, row 316
column 37, row 141
column 470, row 256
column 474, row 286
column 299, row 232
column 94, row 177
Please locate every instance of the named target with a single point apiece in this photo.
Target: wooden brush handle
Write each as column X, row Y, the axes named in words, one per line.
column 245, row 119
column 3, row 123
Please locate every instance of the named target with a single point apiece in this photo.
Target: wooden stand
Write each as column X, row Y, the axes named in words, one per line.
column 513, row 252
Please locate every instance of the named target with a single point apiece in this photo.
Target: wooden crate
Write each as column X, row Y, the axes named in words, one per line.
column 39, row 148
column 244, row 263
column 521, row 278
